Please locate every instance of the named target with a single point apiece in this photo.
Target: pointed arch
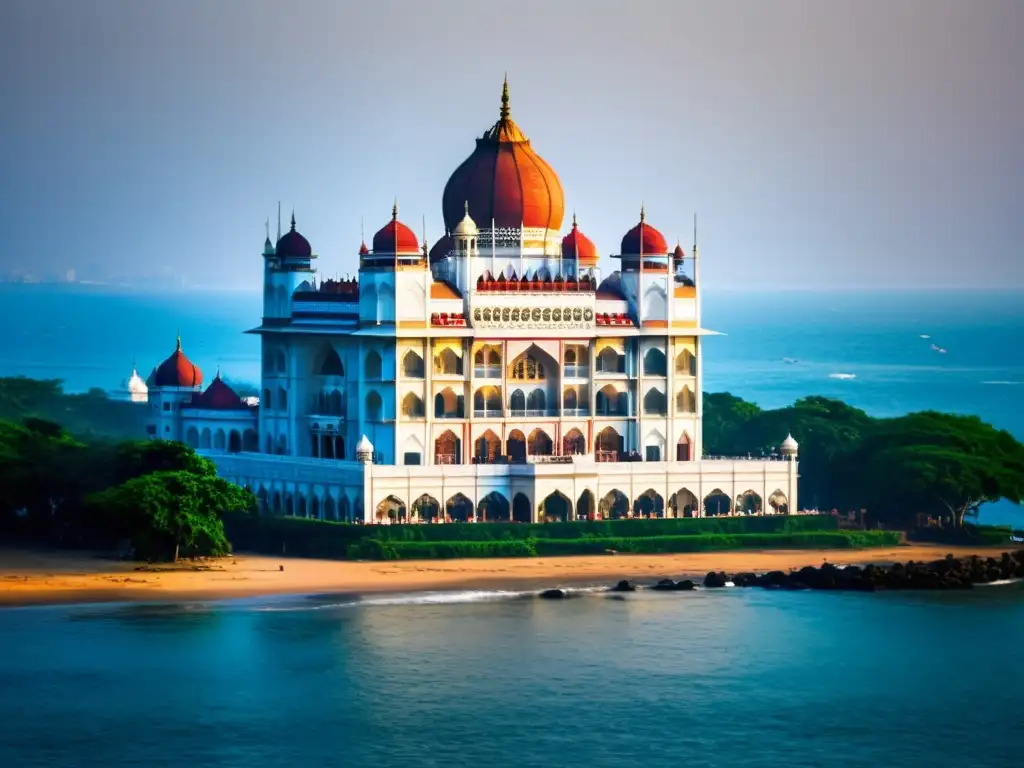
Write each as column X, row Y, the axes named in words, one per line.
column 330, row 363
column 556, row 507
column 686, row 402
column 686, row 363
column 390, row 509
column 234, row 441
column 192, row 437
column 515, row 446
column 487, row 448
column 586, row 509
column 522, row 509
column 654, row 362
column 614, row 505
column 779, row 502
column 717, row 503
column 609, row 445
column 655, row 403
column 493, row 507
column 570, row 399
column 749, row 503
column 532, row 364
column 610, row 360
column 373, row 365
column 610, row 402
column 684, row 503
column 344, row 509
column 220, row 440
column 448, row 363
column 517, row 403
column 487, row 401
column 374, row 406
column 574, row 443
column 448, row 448
column 412, row 365
column 447, row 404
column 536, row 401
column 459, row 509
column 655, row 303
column 649, row 504
column 412, row 406
column 539, row 443
column 684, row 448
column 426, row 509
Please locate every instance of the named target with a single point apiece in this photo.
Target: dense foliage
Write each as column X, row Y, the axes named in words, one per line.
column 90, row 415
column 159, row 497
column 935, row 464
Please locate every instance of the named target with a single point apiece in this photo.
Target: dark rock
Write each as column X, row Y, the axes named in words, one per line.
column 685, row 585
column 714, row 580
column 552, row 594
column 623, row 586
column 745, row 579
column 665, row 585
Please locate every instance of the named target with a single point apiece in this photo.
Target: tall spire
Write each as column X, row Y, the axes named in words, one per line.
column 505, row 112
column 278, row 219
column 293, row 220
column 641, row 212
column 268, row 228
column 694, row 233
column 426, row 250
column 574, row 218
column 394, row 210
column 179, row 340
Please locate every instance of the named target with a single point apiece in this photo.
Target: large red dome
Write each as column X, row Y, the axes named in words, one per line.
column 395, row 237
column 504, row 180
column 645, row 239
column 178, row 371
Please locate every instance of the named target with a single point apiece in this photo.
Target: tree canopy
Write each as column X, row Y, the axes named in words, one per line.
column 938, row 464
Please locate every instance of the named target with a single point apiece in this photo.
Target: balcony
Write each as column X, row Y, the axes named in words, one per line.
column 576, row 372
column 531, row 413
column 574, row 412
column 488, row 372
column 487, row 413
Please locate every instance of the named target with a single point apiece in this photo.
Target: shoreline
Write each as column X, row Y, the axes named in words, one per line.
column 35, row 578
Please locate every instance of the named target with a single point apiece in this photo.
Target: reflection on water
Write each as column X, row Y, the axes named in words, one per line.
column 738, row 677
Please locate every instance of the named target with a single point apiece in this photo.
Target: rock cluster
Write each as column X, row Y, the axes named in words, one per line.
column 948, row 573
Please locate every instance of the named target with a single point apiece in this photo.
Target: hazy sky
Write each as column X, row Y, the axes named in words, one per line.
column 834, row 144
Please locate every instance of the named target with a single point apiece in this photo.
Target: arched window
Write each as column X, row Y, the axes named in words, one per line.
column 536, row 401
column 654, row 402
column 266, row 403
column 528, row 367
column 281, row 362
column 447, row 405
column 570, row 356
column 610, row 361
column 374, row 407
column 569, row 400
column 447, row 449
column 412, row 365
column 331, row 365
column 517, row 403
column 609, row 402
column 654, row 363
column 373, row 365
column 540, row 444
column 412, row 406
column 685, row 401
column 282, row 399
column 686, row 363
column 574, row 443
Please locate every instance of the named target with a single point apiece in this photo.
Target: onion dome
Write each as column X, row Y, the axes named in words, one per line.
column 363, row 250
column 576, row 245
column 219, row 397
column 292, row 245
column 504, row 180
column 678, row 254
column 643, row 239
column 610, row 288
column 395, row 237
column 177, row 371
column 441, row 249
column 789, row 446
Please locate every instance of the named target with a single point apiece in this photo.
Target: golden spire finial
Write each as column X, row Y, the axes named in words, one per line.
column 574, row 218
column 394, row 211
column 504, row 99
column 641, row 213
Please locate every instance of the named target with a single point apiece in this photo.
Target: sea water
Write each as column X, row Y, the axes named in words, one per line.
column 879, row 351
column 710, row 678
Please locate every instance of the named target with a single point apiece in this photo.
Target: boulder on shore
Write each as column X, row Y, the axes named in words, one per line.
column 715, row 580
column 553, row 594
column 623, row 586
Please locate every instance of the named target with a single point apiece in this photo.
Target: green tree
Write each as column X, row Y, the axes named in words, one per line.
column 166, row 513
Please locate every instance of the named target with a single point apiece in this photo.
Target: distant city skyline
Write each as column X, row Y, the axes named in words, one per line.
column 822, row 144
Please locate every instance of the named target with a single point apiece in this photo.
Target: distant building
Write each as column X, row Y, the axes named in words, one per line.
column 495, row 375
column 134, row 388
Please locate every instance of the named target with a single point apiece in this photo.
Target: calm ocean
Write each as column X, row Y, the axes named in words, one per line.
column 717, row 678
column 89, row 336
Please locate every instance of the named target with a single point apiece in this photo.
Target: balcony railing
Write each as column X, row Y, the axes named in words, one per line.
column 576, row 372
column 487, row 413
column 532, row 412
column 486, row 372
column 575, row 411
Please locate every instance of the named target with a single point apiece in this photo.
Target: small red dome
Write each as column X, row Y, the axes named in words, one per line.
column 678, row 254
column 178, row 371
column 220, row 397
column 645, row 239
column 395, row 237
column 363, row 250
column 293, row 245
column 576, row 245
column 441, row 249
column 504, row 180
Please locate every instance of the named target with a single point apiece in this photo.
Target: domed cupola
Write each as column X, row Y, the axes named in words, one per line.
column 644, row 239
column 363, row 250
column 678, row 254
column 395, row 237
column 578, row 246
column 504, row 180
column 292, row 245
column 441, row 249
column 177, row 371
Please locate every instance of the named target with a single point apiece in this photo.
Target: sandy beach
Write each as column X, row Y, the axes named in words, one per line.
column 39, row 578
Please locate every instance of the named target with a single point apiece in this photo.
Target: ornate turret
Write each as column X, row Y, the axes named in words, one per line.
column 364, row 450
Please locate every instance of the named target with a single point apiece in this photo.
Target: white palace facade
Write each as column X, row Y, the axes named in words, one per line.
column 493, row 376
